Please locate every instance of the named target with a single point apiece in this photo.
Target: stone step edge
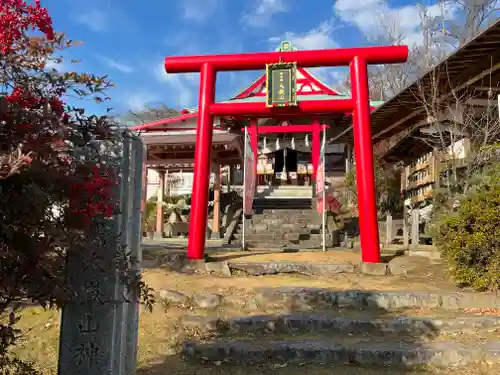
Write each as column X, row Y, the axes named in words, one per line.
column 386, row 300
column 273, row 249
column 442, row 354
column 324, row 322
column 276, row 267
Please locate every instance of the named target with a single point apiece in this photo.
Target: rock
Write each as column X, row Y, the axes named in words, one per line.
column 272, row 268
column 203, row 323
column 433, row 255
column 408, row 265
column 453, row 301
column 173, row 260
column 440, row 354
column 313, row 297
column 174, row 297
column 207, row 301
column 373, row 269
column 192, row 267
column 219, row 268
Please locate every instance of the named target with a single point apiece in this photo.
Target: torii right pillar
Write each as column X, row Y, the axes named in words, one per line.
column 363, row 153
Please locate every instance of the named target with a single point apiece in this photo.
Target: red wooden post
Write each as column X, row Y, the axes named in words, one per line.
column 144, row 200
column 316, row 148
column 363, row 149
column 202, row 163
column 254, row 143
column 159, row 205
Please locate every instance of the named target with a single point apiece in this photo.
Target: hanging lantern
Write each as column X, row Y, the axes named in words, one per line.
column 277, row 144
column 307, row 140
column 265, row 143
column 293, row 143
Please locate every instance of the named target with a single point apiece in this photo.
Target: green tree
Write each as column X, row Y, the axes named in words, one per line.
column 387, row 191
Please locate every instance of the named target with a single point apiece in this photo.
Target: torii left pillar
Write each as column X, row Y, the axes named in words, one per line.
column 202, row 165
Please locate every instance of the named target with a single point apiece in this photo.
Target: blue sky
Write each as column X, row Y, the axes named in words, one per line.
column 128, row 39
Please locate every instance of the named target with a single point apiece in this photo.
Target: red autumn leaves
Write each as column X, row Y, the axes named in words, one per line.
column 17, row 18
column 25, row 115
column 94, row 195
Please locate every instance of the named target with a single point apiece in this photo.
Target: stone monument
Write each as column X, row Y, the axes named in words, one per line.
column 99, row 325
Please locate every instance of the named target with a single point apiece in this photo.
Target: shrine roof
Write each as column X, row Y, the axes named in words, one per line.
column 307, row 83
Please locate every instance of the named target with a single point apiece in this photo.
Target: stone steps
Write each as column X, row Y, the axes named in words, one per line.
column 283, row 192
column 302, row 220
column 281, row 244
column 337, row 327
column 286, row 204
column 280, row 236
column 325, row 351
column 363, row 323
column 355, row 327
column 283, row 223
column 311, row 298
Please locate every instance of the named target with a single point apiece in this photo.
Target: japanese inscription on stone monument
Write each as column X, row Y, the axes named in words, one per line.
column 281, row 84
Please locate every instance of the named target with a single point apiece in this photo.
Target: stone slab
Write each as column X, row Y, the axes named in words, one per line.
column 200, row 322
column 417, row 326
column 373, row 269
column 215, row 236
column 218, row 268
column 207, row 301
column 172, row 296
column 391, row 300
column 273, row 268
column 442, row 354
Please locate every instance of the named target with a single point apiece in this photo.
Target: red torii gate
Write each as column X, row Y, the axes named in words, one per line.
column 357, row 59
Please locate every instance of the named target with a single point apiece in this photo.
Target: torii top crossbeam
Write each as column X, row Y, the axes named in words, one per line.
column 306, row 59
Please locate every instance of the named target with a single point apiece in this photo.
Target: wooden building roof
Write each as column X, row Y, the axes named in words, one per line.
column 476, row 65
